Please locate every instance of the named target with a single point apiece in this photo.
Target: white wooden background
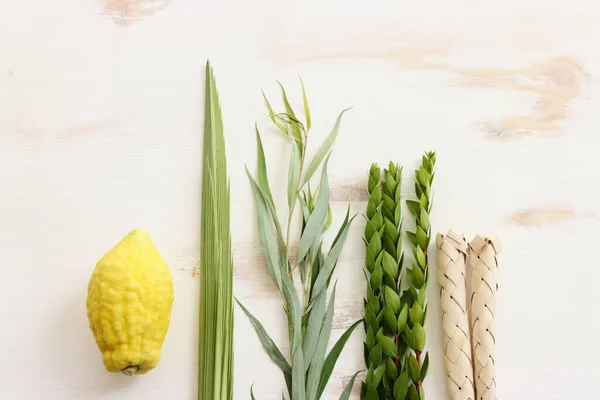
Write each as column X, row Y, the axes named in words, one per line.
column 100, row 132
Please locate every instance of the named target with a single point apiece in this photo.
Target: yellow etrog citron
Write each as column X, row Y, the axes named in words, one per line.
column 129, row 301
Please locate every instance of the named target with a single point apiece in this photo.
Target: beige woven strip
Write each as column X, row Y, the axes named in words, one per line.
column 484, row 284
column 451, row 257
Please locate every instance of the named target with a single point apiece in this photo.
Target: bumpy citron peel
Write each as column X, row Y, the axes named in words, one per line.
column 130, row 296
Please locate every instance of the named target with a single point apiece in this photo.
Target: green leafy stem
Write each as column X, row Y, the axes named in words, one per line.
column 395, row 303
column 308, row 367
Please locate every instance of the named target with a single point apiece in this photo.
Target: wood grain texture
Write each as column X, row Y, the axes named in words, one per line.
column 100, row 132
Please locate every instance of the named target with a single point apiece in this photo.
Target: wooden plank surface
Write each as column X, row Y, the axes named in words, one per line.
column 100, row 132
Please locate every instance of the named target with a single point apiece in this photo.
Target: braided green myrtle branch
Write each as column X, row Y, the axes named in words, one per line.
column 417, row 277
column 385, row 314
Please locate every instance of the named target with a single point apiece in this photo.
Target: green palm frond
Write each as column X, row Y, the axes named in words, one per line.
column 215, row 364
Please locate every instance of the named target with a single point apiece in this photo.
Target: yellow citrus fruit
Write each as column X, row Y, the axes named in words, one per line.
column 129, row 301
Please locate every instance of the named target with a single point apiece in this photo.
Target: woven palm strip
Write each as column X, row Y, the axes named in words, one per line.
column 484, row 285
column 451, row 260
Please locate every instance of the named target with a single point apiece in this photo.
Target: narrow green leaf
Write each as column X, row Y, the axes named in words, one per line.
column 370, row 375
column 416, row 314
column 424, row 367
column 370, row 338
column 272, row 114
column 314, row 225
column 424, row 177
column 402, row 318
column 389, row 318
column 329, row 218
column 375, row 244
column 252, row 392
column 391, row 230
column 389, row 246
column 371, row 319
column 377, row 220
column 369, row 260
column 315, row 370
column 295, row 325
column 298, row 388
column 421, row 297
column 348, row 390
column 374, row 303
column 315, row 248
column 426, row 163
column 263, row 179
column 401, row 386
column 376, row 354
column 398, row 192
column 424, row 221
column 390, row 369
column 293, row 174
column 418, row 190
column 389, row 265
column 398, row 214
column 388, row 346
column 267, row 343
column 376, row 194
column 414, row 207
column 432, row 157
column 331, row 259
column 306, row 108
column 420, row 337
column 413, row 394
column 374, row 177
column 422, row 238
column 376, row 278
column 411, row 294
column 370, row 230
column 313, row 328
column 292, row 302
column 424, row 202
column 413, row 368
column 371, row 394
column 324, row 149
column 266, row 234
column 378, row 375
column 295, row 126
column 399, row 253
column 420, row 256
column 333, row 356
column 409, row 337
column 388, row 208
column 418, row 277
column 392, row 300
column 371, row 209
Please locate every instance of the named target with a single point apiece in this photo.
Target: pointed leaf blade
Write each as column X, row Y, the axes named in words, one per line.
column 348, row 390
column 306, row 108
column 324, row 149
column 262, row 178
column 317, row 219
column 333, row 356
column 267, row 343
